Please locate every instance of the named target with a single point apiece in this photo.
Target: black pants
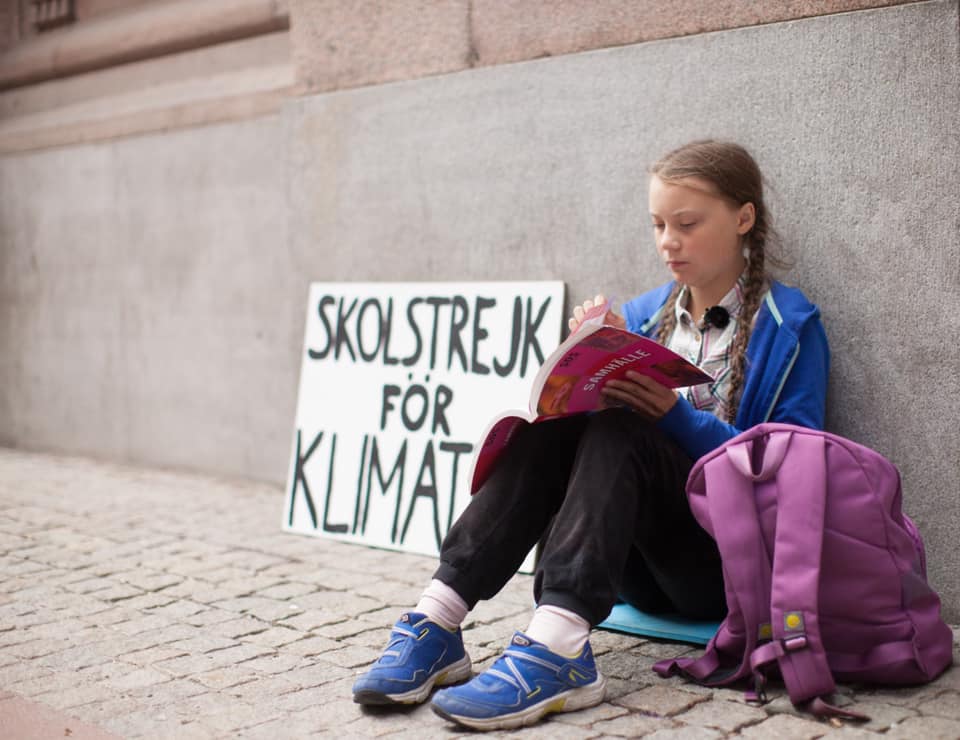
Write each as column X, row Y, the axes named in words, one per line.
column 605, row 494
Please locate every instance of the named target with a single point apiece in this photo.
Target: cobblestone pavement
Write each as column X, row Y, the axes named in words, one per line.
column 142, row 603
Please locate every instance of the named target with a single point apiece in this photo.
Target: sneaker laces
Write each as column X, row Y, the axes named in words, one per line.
column 396, row 640
column 515, row 677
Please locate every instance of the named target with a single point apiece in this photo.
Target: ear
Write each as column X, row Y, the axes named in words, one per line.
column 746, row 218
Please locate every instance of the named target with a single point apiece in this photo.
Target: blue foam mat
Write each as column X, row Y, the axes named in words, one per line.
column 625, row 618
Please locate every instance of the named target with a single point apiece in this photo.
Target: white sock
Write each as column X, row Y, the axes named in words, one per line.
column 561, row 630
column 442, row 605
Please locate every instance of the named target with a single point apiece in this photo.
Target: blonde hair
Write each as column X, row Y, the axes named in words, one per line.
column 734, row 174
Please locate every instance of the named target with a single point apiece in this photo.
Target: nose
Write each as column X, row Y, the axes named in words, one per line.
column 669, row 239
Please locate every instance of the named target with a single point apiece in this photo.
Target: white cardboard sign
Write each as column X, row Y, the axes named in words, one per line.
column 397, row 383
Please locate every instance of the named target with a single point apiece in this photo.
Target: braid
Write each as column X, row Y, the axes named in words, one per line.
column 752, row 294
column 668, row 319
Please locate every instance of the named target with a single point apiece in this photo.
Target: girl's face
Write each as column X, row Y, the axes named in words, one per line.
column 699, row 234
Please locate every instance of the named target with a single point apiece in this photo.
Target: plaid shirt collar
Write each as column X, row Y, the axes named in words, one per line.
column 732, row 301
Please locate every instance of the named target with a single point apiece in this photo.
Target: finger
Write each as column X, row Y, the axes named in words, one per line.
column 637, row 391
column 622, row 391
column 648, row 389
column 578, row 313
column 623, row 398
column 617, row 395
column 572, row 323
column 624, row 386
column 628, row 388
column 644, row 381
column 599, row 300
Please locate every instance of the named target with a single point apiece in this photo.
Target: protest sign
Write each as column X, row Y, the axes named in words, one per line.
column 397, row 382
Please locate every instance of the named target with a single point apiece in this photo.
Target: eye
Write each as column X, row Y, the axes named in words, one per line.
column 689, row 225
column 657, row 227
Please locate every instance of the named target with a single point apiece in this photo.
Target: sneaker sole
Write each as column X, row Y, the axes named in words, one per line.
column 453, row 673
column 567, row 701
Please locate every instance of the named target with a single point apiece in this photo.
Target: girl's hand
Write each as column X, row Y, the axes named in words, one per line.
column 641, row 393
column 611, row 318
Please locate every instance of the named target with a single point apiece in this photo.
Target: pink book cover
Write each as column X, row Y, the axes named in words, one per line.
column 572, row 382
column 571, row 378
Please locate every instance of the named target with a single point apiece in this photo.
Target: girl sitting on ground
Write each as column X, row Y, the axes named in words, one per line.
column 604, row 492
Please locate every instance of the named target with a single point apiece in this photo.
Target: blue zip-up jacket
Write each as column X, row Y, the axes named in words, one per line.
column 786, row 373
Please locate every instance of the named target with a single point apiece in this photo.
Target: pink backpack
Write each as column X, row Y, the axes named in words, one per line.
column 825, row 576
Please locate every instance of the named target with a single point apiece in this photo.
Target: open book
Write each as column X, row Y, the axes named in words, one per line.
column 570, row 380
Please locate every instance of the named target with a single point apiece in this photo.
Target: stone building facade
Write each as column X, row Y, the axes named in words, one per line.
column 174, row 173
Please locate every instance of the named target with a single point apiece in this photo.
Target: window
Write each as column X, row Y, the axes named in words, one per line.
column 49, row 14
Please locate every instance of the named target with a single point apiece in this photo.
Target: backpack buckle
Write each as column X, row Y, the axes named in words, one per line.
column 758, row 694
column 794, row 642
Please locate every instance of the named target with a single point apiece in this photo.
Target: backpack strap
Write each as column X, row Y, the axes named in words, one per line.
column 801, row 494
column 801, row 481
column 746, row 571
column 746, row 562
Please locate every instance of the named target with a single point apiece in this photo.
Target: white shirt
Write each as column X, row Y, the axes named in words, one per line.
column 709, row 348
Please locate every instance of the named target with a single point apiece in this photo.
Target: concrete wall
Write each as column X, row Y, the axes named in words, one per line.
column 537, row 170
column 143, row 284
column 152, row 288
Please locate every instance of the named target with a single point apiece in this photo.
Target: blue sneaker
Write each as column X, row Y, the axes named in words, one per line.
column 420, row 654
column 525, row 683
